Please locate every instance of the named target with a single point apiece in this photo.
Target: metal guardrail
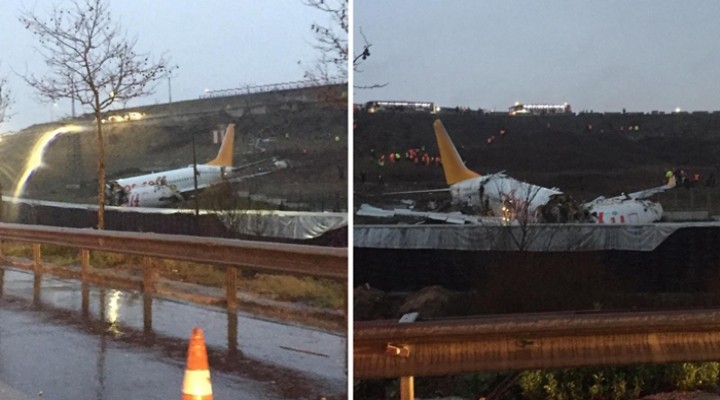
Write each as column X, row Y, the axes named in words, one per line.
column 503, row 343
column 316, row 261
column 272, row 87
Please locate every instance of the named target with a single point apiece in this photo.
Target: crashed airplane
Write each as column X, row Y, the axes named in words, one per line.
column 167, row 187
column 510, row 200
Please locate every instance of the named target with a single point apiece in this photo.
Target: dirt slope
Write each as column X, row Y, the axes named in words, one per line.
column 312, row 136
column 550, row 151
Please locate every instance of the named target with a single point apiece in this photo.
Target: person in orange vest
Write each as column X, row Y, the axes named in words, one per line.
column 392, row 157
column 695, row 179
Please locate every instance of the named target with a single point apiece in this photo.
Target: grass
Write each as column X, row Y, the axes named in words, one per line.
column 314, row 292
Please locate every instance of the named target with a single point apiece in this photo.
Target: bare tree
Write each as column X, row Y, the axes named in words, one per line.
column 91, row 60
column 331, row 41
column 4, row 99
column 333, row 44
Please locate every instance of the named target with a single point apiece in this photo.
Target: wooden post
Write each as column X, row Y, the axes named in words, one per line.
column 231, row 288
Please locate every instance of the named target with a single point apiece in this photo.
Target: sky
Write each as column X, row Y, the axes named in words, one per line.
column 217, row 44
column 609, row 55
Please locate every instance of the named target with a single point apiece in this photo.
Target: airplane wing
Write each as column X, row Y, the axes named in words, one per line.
column 240, row 167
column 255, row 175
column 643, row 194
column 427, row 191
column 639, row 195
column 367, row 210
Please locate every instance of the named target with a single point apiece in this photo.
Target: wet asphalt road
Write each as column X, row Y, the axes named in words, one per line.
column 59, row 340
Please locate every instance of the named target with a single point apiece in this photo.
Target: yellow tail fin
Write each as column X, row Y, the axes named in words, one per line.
column 453, row 166
column 225, row 155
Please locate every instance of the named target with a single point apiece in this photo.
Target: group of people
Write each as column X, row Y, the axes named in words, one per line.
column 415, row 155
column 680, row 177
column 491, row 139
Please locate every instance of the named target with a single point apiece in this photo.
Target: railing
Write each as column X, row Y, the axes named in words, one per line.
column 273, row 87
column 520, row 342
column 315, row 261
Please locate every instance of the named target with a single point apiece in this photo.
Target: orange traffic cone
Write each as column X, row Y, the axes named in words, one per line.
column 196, row 385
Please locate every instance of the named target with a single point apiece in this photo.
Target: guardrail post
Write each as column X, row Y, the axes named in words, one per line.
column 148, row 290
column 232, row 323
column 37, row 290
column 231, row 288
column 407, row 383
column 37, row 275
column 85, row 301
column 407, row 388
column 84, row 264
column 148, row 278
column 147, row 315
column 37, row 258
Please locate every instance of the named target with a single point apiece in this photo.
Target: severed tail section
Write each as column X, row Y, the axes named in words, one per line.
column 453, row 166
column 225, row 155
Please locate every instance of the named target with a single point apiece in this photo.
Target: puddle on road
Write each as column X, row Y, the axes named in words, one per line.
column 237, row 343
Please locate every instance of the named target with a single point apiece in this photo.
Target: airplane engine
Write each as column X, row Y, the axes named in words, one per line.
column 152, row 196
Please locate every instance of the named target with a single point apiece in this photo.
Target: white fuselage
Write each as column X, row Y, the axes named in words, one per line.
column 180, row 180
column 512, row 199
column 624, row 211
column 500, row 191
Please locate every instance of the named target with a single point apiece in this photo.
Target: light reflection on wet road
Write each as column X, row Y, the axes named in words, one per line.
column 67, row 340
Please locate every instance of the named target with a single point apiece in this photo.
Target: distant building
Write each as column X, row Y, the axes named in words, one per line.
column 381, row 105
column 539, row 109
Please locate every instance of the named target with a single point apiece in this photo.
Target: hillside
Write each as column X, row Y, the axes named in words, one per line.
column 550, row 151
column 296, row 129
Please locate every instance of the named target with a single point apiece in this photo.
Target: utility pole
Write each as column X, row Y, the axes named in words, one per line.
column 170, row 94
